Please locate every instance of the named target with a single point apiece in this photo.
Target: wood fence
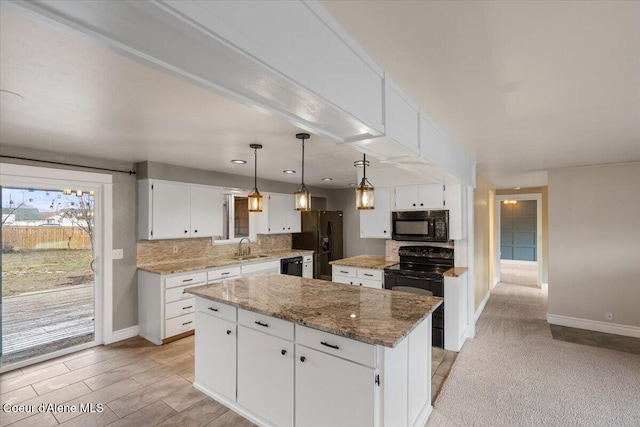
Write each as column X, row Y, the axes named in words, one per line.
column 24, row 238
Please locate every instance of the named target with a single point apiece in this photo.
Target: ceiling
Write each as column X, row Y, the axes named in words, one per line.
column 522, row 87
column 81, row 98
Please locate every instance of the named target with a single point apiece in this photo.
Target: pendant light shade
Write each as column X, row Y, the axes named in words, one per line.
column 365, row 193
column 302, row 197
column 255, row 198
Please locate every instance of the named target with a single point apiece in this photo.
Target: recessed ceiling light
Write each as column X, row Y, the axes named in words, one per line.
column 289, row 171
column 327, row 179
column 352, row 184
column 239, row 162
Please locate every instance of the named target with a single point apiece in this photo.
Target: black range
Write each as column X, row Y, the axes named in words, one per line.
column 421, row 271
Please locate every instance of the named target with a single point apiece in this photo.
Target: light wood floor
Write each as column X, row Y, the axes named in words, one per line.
column 139, row 384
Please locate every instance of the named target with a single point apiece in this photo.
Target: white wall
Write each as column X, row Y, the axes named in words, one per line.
column 594, row 245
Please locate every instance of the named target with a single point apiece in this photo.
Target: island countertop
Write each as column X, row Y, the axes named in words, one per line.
column 374, row 316
column 376, row 262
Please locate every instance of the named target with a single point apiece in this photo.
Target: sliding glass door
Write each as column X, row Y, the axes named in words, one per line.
column 50, row 242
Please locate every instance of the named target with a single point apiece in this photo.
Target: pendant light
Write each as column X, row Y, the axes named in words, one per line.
column 255, row 198
column 302, row 196
column 365, row 197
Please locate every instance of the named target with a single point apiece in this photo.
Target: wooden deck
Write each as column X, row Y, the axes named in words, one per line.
column 38, row 318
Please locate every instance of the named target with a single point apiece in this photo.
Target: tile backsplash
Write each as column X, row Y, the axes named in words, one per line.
column 391, row 248
column 159, row 251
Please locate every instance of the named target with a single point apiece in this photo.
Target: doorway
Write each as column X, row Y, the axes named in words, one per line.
column 53, row 268
column 518, row 227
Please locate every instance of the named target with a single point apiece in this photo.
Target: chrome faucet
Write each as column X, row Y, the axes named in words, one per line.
column 246, row 251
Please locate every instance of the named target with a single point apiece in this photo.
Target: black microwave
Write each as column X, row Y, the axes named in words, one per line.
column 421, row 226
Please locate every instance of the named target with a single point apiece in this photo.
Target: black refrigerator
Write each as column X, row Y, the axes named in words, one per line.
column 322, row 234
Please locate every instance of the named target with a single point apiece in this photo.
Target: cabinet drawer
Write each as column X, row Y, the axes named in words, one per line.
column 185, row 279
column 177, row 294
column 341, row 270
column 346, row 348
column 178, row 308
column 178, row 325
column 366, row 273
column 267, row 324
column 215, row 308
column 368, row 283
column 223, row 273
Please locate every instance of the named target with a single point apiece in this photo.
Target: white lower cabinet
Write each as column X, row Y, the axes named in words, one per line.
column 368, row 277
column 276, row 373
column 331, row 391
column 265, row 375
column 216, row 355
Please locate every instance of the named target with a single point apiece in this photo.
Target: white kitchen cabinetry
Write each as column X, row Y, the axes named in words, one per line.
column 419, row 197
column 173, row 210
column 216, row 357
column 292, row 375
column 370, row 278
column 376, row 223
column 165, row 311
column 455, row 311
column 278, row 215
column 265, row 375
column 307, row 266
column 334, row 382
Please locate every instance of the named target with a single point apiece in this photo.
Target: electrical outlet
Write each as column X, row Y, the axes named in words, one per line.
column 609, row 316
column 175, row 249
column 117, row 254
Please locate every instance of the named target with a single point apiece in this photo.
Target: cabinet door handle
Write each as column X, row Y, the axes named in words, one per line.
column 187, row 280
column 421, row 204
column 324, row 343
column 195, row 231
column 302, row 358
column 224, row 274
column 414, row 204
column 384, row 231
column 360, row 284
column 367, row 274
column 257, row 322
column 185, row 324
column 344, row 272
column 228, row 331
column 185, row 308
column 186, row 231
column 283, row 352
column 351, row 283
column 212, row 308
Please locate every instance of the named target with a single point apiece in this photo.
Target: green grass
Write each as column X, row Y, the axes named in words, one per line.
column 39, row 270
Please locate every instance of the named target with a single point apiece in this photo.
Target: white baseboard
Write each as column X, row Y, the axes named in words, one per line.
column 594, row 325
column 480, row 309
column 123, row 334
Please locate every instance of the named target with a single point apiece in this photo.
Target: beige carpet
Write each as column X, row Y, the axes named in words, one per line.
column 519, row 272
column 514, row 374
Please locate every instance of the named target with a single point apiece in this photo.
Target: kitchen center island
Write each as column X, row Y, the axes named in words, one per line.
column 290, row 351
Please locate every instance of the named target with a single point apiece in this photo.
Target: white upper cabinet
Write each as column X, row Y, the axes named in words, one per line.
column 419, row 197
column 376, row 223
column 206, row 211
column 173, row 210
column 278, row 215
column 170, row 210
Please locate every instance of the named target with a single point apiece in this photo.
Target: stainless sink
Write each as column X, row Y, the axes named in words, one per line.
column 246, row 257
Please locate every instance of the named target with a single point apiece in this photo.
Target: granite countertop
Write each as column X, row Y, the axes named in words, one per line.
column 213, row 262
column 374, row 316
column 455, row 272
column 376, row 262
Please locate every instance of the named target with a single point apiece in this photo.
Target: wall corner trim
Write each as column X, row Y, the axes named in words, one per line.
column 123, row 334
column 594, row 325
